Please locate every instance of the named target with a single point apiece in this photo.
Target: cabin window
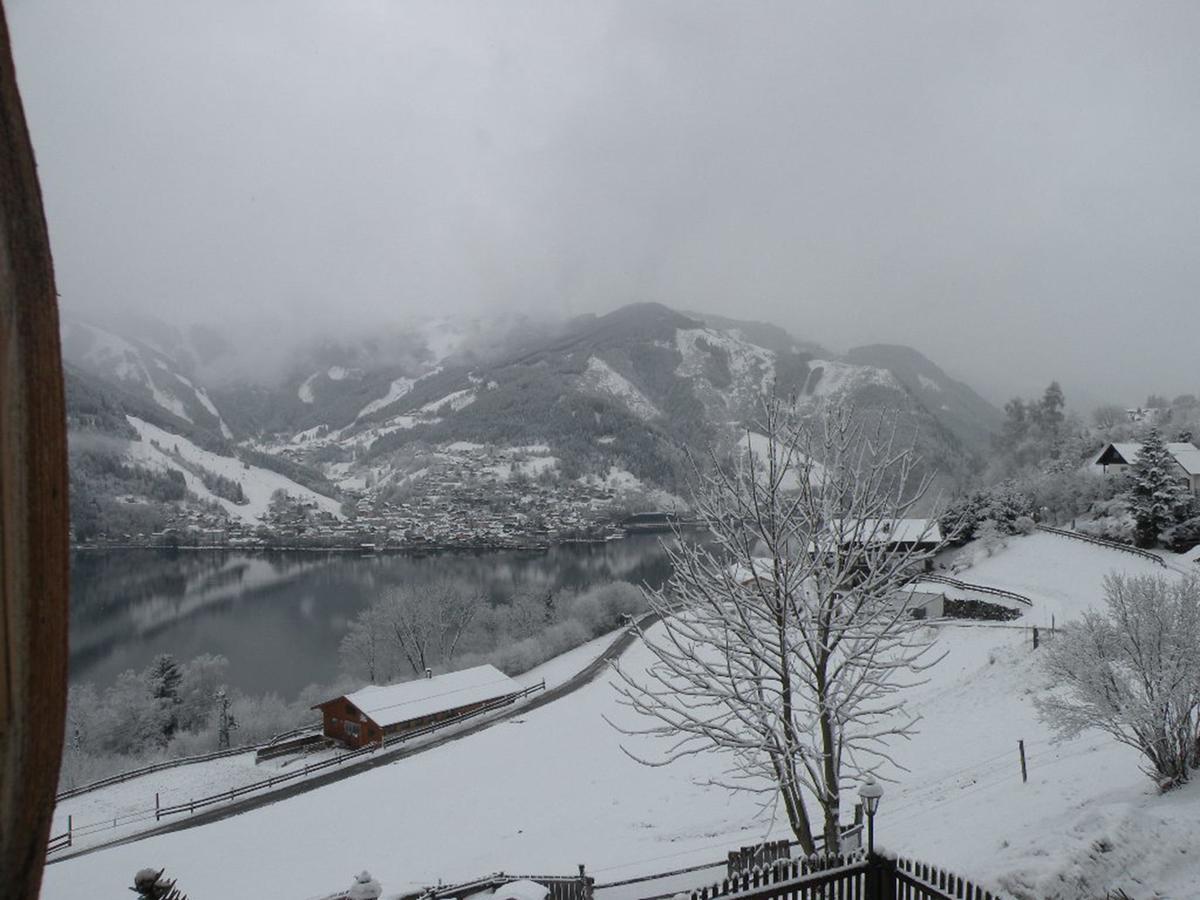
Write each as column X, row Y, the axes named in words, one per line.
column 352, row 729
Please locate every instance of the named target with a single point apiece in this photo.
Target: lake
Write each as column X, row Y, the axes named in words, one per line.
column 279, row 616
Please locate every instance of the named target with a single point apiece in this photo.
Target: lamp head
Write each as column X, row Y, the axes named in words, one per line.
column 870, row 794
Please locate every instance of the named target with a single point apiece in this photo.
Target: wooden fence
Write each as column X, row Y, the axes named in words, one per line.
column 561, row 887
column 661, row 885
column 853, row 876
column 1103, row 542
column 171, row 764
column 967, row 586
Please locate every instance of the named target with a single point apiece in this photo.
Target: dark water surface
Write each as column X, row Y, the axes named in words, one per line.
column 279, row 616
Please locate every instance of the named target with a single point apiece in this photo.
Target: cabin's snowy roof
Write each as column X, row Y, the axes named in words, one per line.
column 394, row 703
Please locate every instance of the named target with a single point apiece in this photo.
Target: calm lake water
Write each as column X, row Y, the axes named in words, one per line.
column 279, row 616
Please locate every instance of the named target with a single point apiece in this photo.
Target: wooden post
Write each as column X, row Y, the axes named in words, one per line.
column 156, row 807
column 1024, row 771
column 34, row 556
column 1035, row 637
column 70, row 828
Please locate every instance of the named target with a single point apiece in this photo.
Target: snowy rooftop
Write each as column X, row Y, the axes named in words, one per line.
column 394, row 703
column 1186, row 454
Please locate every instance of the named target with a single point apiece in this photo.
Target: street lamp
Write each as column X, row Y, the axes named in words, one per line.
column 870, row 794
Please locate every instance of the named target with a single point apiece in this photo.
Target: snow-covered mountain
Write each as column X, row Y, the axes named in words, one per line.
column 629, row 392
column 136, row 366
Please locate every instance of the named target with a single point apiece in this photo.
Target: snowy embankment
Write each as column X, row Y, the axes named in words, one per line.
column 127, row 808
column 1062, row 576
column 258, row 484
column 553, row 788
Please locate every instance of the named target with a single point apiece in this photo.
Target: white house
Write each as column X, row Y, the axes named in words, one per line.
column 1117, row 457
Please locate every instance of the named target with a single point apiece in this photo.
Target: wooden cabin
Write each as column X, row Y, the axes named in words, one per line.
column 375, row 712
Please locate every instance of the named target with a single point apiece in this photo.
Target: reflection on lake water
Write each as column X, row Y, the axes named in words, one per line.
column 279, row 616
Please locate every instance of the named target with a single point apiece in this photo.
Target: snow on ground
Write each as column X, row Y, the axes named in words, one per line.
column 553, row 789
column 396, row 390
column 305, row 391
column 928, row 383
column 839, row 377
column 529, row 467
column 131, row 803
column 564, row 666
column 759, row 445
column 751, row 366
column 602, row 377
column 257, row 484
column 1063, row 576
column 206, row 401
column 456, row 400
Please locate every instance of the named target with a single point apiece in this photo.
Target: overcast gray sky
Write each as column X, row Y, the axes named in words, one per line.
column 1012, row 188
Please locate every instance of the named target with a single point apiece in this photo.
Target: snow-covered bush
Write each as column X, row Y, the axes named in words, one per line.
column 1111, row 520
column 1024, row 525
column 1133, row 672
column 1001, row 504
column 1184, row 536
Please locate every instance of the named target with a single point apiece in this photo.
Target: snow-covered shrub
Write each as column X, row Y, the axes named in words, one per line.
column 988, row 539
column 1002, row 504
column 1184, row 536
column 602, row 609
column 1111, row 520
column 1133, row 672
column 1024, row 525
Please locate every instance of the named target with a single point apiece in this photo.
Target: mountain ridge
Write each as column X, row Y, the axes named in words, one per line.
column 622, row 397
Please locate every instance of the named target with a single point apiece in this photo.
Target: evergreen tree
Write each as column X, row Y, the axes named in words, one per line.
column 163, row 678
column 1158, row 498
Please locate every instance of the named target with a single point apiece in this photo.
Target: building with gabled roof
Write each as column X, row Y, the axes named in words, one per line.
column 371, row 714
column 1116, row 457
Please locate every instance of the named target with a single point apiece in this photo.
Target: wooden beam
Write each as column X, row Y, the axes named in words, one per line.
column 33, row 507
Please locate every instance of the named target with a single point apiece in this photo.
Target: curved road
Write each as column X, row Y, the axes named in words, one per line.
column 575, row 682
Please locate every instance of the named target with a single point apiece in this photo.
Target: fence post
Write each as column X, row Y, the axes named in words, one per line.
column 880, row 878
column 1035, row 637
column 156, row 806
column 70, row 828
column 1024, row 771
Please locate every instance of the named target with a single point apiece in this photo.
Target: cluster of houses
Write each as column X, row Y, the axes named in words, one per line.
column 453, row 506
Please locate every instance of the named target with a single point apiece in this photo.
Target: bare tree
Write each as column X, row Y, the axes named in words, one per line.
column 426, row 622
column 364, row 647
column 1134, row 672
column 785, row 640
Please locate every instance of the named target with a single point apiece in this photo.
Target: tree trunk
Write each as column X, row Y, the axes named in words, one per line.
column 33, row 508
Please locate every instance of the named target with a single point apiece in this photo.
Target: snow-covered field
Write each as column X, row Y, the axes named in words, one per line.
column 258, row 484
column 1061, row 575
column 128, row 808
column 602, row 377
column 553, row 789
